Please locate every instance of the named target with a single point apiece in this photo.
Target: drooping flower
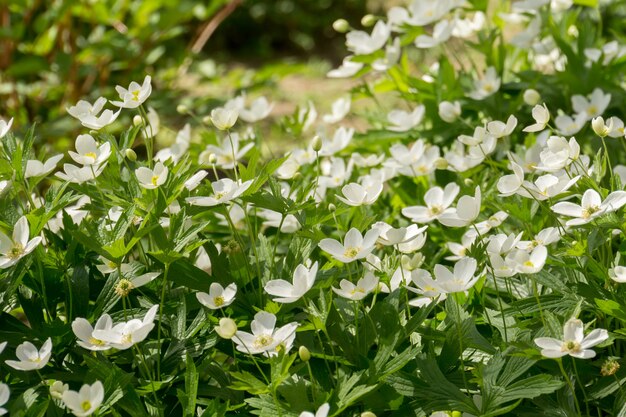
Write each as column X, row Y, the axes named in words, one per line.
column 303, row 280
column 135, row 95
column 86, row 401
column 218, row 296
column 15, row 248
column 265, row 338
column 355, row 246
column 574, row 342
column 30, row 358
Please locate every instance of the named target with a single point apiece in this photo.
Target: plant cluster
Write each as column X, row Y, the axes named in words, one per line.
column 462, row 256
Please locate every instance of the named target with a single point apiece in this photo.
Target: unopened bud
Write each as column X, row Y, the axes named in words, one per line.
column 137, row 121
column 227, row 328
column 130, row 154
column 316, row 143
column 367, row 414
column 531, row 97
column 456, row 414
column 304, row 354
column 182, row 109
column 332, row 208
column 469, row 182
column 573, row 31
column 341, row 25
column 368, row 20
column 212, row 159
column 207, row 120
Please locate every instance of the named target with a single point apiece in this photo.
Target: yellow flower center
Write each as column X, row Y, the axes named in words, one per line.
column 570, row 346
column 85, row 405
column 218, row 301
column 91, row 155
column 589, row 211
column 351, row 252
column 435, row 210
column 154, row 180
column 592, row 110
column 136, row 95
column 96, row 342
column 529, row 264
column 263, row 341
column 16, row 251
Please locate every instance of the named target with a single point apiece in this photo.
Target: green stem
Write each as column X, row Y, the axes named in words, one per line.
column 162, row 302
column 570, row 385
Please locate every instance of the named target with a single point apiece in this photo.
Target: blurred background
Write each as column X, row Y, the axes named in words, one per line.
column 199, row 53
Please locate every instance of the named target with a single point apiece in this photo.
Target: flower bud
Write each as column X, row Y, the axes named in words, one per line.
column 182, row 109
column 227, row 328
column 368, row 20
column 57, row 389
column 456, row 414
column 531, row 97
column 332, row 208
column 212, row 158
column 206, row 120
column 137, row 120
column 316, row 143
column 598, row 126
column 448, row 111
column 223, row 118
column 573, row 31
column 130, row 154
column 468, row 182
column 367, row 414
column 304, row 354
column 341, row 25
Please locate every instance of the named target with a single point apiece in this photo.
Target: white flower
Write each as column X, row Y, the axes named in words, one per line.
column 227, row 154
column 393, row 51
column 224, row 118
column 365, row 193
column 547, row 186
column 77, row 175
column 4, row 397
column 2, row 346
column 498, row 129
column 401, row 121
column 303, row 280
column 510, row 184
column 194, row 181
column 5, row 127
column 135, row 95
column 126, row 334
column 218, row 296
column 487, row 85
column 152, row 178
column 15, row 248
column 462, row 279
column 591, row 206
column 98, row 122
column 84, row 331
column 546, row 237
column 362, row 43
column 151, row 129
column 541, row 114
column 601, row 128
column 567, row 125
column 88, row 153
column 467, row 209
column 224, row 190
column 593, row 105
column 355, row 246
column 528, row 263
column 179, row 148
column 618, row 274
column 265, row 338
column 227, row 328
column 437, row 202
column 441, row 33
column 357, row 292
column 86, row 401
column 84, row 108
column 36, row 168
column 340, row 109
column 575, row 343
column 427, row 287
column 558, row 153
column 341, row 139
column 30, row 358
column 449, row 111
column 321, row 412
column 259, row 110
column 531, row 97
column 347, row 69
column 287, row 224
